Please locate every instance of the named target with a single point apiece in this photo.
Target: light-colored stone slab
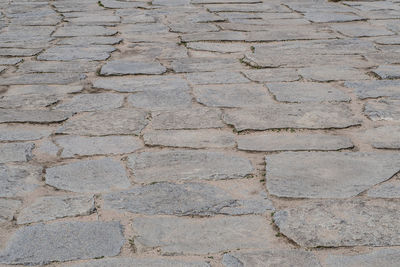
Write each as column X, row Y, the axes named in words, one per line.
column 37, row 116
column 217, row 77
column 23, row 132
column 389, row 189
column 161, row 99
column 204, row 64
column 92, row 102
column 72, row 30
column 385, row 109
column 18, row 180
column 69, row 52
column 375, row 89
column 142, row 262
column 8, row 208
column 47, row 90
column 386, row 137
column 16, row 152
column 120, row 67
column 272, row 75
column 361, row 29
column 388, row 71
column 388, row 257
column 333, row 73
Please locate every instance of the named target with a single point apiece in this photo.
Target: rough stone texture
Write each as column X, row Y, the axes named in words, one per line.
column 185, row 164
column 386, row 137
column 201, row 236
column 389, row 189
column 190, row 138
column 388, row 257
column 8, row 207
column 332, row 73
column 284, row 258
column 203, row 64
column 63, row 241
column 333, row 223
column 294, row 142
column 67, row 53
column 383, row 110
column 375, row 89
column 38, row 116
column 69, row 31
column 272, row 75
column 54, row 207
column 99, row 175
column 143, row 262
column 102, row 145
column 217, row 77
column 388, row 71
column 318, row 175
column 360, row 29
column 92, row 102
column 17, row 181
column 161, row 100
column 21, row 152
column 121, row 121
column 126, row 67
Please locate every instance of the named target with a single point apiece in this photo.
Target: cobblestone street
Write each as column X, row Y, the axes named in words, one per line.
column 200, row 133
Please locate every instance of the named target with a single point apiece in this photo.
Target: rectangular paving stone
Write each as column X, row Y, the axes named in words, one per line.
column 18, row 180
column 123, row 67
column 170, row 165
column 56, row 66
column 91, row 102
column 161, row 99
column 36, row 116
column 215, row 36
column 385, row 109
column 203, row 64
column 321, row 17
column 63, row 241
column 375, row 89
column 201, row 236
column 16, row 152
column 42, row 78
column 217, row 77
column 220, row 47
column 272, row 75
column 388, row 189
column 333, row 73
column 385, row 137
column 143, row 262
column 287, row 33
column 361, row 29
column 72, row 30
column 70, row 52
column 23, row 132
column 26, row 102
column 10, row 60
column 43, row 89
column 90, row 40
column 19, row 52
column 8, row 208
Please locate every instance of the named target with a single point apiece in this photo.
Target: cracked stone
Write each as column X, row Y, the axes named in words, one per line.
column 385, row 109
column 8, row 208
column 375, row 89
column 91, row 102
column 17, row 152
column 120, row 67
column 36, row 116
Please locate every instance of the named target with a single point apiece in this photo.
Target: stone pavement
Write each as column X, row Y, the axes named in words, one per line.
column 223, row 133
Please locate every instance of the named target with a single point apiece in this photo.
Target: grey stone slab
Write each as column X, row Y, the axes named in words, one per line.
column 341, row 223
column 204, row 64
column 208, row 138
column 375, row 89
column 90, row 40
column 123, row 67
column 121, row 121
column 18, row 180
column 8, row 208
column 16, row 152
column 72, row 31
column 261, row 7
column 388, row 257
column 332, row 73
column 161, row 99
column 99, row 175
column 63, row 241
column 215, row 36
column 193, row 118
column 23, row 132
column 269, row 258
column 70, row 52
column 173, row 165
column 10, row 60
column 190, row 27
column 33, row 116
column 56, row 66
column 157, row 51
column 102, row 145
column 392, row 40
column 217, row 77
column 331, row 17
column 272, row 75
column 91, row 102
column 121, row 4
column 389, row 189
column 53, row 207
column 2, row 68
column 293, row 142
column 143, row 262
column 388, row 71
column 385, row 109
column 288, row 33
column 46, row 150
column 19, row 52
column 242, row 95
column 316, row 116
column 361, row 29
column 220, row 47
column 95, row 19
column 328, row 174
column 42, row 78
column 201, row 236
column 27, row 102
column 386, row 137
column 143, row 28
column 43, row 89
column 224, row 1
column 300, row 92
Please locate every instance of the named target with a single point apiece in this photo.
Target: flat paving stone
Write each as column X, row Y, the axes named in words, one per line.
column 120, row 67
column 190, row 138
column 300, row 92
column 385, row 137
column 143, row 262
column 18, row 180
column 317, row 116
column 90, row 40
column 201, row 236
column 43, row 89
column 292, row 142
column 10, row 60
column 43, row 78
column 375, row 89
column 272, row 75
column 16, row 152
column 57, row 66
column 341, row 223
column 23, row 132
column 161, row 99
column 332, row 73
column 388, row 71
column 389, row 189
column 121, row 121
column 217, row 47
column 361, row 29
column 217, row 77
column 54, row 207
column 71, row 31
column 8, row 208
column 19, row 52
column 321, row 17
column 99, row 175
column 203, row 64
column 63, row 241
column 70, row 52
column 328, row 174
column 36, row 116
column 27, row 102
column 284, row 258
column 187, row 165
column 102, row 145
column 385, row 109
column 92, row 102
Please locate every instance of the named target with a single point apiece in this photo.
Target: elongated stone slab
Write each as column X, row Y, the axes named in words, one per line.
column 37, row 116
column 328, row 174
column 69, row 52
column 161, row 99
column 57, row 66
column 388, row 71
column 217, row 77
column 333, row 73
column 100, row 175
column 119, row 67
column 43, row 89
column 375, row 89
column 188, row 65
column 306, row 116
column 92, row 102
column 272, row 75
column 338, row 223
column 142, row 262
column 18, row 180
column 8, row 208
column 389, row 189
column 185, row 165
column 17, row 152
column 388, row 257
column 63, row 241
column 71, row 31
column 42, row 78
column 201, row 236
column 383, row 137
column 385, row 109
column 54, row 207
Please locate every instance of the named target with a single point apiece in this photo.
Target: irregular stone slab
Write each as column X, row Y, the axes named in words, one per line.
column 71, row 31
column 331, row 17
column 69, row 52
column 214, row 36
column 389, row 189
column 56, row 66
column 232, row 95
column 185, row 165
column 190, row 27
column 90, row 40
column 161, row 99
column 190, row 138
column 46, row 150
column 187, row 65
column 194, row 118
column 375, row 89
column 218, row 47
column 217, row 77
column 54, row 207
column 103, row 20
column 63, row 241
column 386, row 137
column 360, row 29
column 327, row 174
column 19, row 52
column 332, row 73
column 294, row 142
column 388, row 71
column 102, row 145
column 2, row 68
column 43, row 89
column 272, row 75
column 284, row 258
column 317, row 116
column 120, row 67
column 388, row 257
column 23, row 132
column 18, row 180
column 143, row 262
column 10, row 60
column 288, row 33
column 92, row 102
column 100, row 175
column 341, row 223
column 298, row 92
column 121, row 121
column 201, row 236
column 391, row 40
column 27, row 102
column 42, row 78
column 8, row 208
column 385, row 109
column 33, row 116
column 21, row 152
